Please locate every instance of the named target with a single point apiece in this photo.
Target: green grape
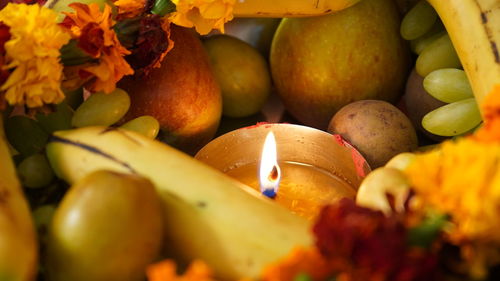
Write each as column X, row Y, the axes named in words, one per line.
column 419, row 44
column 438, row 54
column 42, row 217
column 25, row 135
column 145, row 125
column 453, row 119
column 35, row 171
column 58, row 120
column 418, row 21
column 102, row 109
column 448, row 85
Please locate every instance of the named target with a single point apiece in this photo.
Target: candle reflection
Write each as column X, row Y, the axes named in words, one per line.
column 269, row 173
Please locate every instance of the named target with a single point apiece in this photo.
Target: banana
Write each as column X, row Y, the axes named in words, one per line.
column 289, row 8
column 18, row 245
column 254, row 8
column 473, row 26
column 208, row 215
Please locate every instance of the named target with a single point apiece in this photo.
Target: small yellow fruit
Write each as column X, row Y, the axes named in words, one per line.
column 242, row 74
column 108, row 227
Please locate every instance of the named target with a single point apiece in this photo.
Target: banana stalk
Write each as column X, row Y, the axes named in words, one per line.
column 473, row 26
column 18, row 245
column 208, row 215
column 289, row 8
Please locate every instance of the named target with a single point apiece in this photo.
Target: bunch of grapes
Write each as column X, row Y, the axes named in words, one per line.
column 444, row 78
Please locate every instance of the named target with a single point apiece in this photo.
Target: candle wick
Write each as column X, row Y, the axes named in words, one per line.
column 273, row 175
column 271, row 193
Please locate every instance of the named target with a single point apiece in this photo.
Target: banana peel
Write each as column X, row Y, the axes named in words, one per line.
column 208, row 215
column 473, row 26
column 18, row 244
column 289, row 8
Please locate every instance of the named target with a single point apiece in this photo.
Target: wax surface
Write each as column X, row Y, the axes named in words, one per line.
column 303, row 188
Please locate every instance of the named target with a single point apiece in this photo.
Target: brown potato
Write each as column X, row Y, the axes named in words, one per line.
column 376, row 128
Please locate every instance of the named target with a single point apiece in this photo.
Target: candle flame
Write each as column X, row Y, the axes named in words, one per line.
column 270, row 173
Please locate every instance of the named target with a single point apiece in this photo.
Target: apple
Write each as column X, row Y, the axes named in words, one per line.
column 182, row 94
column 320, row 64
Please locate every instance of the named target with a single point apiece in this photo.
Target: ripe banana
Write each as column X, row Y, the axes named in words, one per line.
column 473, row 26
column 18, row 245
column 208, row 215
column 289, row 8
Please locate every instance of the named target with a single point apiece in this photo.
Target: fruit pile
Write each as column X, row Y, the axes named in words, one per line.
column 104, row 104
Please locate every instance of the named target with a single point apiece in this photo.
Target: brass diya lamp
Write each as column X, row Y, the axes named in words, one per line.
column 301, row 168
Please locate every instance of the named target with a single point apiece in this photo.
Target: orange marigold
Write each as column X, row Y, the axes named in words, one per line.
column 166, row 271
column 299, row 261
column 129, row 8
column 94, row 31
column 490, row 132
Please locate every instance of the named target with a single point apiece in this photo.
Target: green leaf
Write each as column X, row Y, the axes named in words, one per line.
column 25, row 135
column 302, row 277
column 163, row 7
column 127, row 31
column 424, row 234
column 71, row 54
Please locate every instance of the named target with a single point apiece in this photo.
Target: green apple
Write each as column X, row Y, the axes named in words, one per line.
column 320, row 64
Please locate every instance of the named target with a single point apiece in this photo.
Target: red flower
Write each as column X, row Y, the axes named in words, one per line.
column 4, row 74
column 369, row 246
column 29, row 2
column 153, row 42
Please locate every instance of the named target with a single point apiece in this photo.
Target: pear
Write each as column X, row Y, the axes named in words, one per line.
column 320, row 64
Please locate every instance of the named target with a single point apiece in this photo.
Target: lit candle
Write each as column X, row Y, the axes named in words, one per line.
column 303, row 170
column 269, row 172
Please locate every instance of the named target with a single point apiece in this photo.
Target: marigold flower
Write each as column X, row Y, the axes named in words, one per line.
column 152, row 44
column 166, row 271
column 32, row 55
column 462, row 179
column 364, row 244
column 94, row 31
column 204, row 15
column 129, row 8
column 300, row 261
column 490, row 132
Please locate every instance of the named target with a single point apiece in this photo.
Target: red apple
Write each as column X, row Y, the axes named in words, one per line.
column 182, row 94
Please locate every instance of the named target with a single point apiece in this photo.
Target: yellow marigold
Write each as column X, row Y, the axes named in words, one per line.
column 204, row 15
column 32, row 55
column 94, row 31
column 129, row 8
column 462, row 179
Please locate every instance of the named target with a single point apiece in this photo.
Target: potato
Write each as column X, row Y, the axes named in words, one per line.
column 108, row 227
column 376, row 128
